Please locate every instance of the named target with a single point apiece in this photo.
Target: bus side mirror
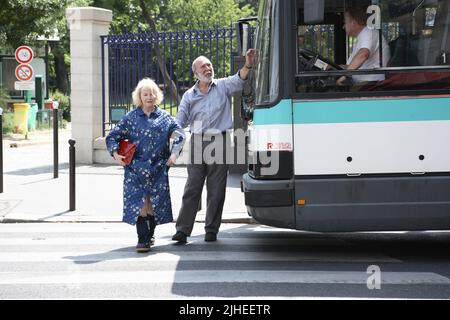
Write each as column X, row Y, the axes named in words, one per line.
column 242, row 38
column 243, row 35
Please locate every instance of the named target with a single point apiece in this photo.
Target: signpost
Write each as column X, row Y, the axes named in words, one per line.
column 24, row 72
column 24, row 85
column 24, row 54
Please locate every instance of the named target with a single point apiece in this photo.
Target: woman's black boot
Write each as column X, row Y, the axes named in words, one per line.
column 143, row 231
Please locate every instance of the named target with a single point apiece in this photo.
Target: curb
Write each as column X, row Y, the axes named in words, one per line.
column 248, row 220
column 45, row 137
column 25, row 143
column 17, row 144
column 12, row 220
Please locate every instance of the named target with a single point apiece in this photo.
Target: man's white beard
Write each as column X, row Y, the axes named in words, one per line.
column 203, row 78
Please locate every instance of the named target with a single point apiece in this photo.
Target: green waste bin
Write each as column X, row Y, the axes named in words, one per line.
column 32, row 113
column 20, row 118
column 43, row 119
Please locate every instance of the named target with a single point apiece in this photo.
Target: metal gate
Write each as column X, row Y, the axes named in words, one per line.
column 166, row 57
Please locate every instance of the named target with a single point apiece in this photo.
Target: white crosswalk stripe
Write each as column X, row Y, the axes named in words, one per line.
column 84, row 257
column 220, row 276
column 191, row 256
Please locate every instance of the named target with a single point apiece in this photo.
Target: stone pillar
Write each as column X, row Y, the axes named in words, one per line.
column 86, row 26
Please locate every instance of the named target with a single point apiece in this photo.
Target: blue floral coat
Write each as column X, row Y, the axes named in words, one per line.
column 147, row 174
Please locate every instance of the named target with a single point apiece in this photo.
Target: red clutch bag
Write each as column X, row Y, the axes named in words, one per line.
column 127, row 150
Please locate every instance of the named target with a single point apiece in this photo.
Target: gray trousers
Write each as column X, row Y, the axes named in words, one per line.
column 216, row 182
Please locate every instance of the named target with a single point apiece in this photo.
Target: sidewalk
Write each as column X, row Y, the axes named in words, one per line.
column 37, row 137
column 32, row 195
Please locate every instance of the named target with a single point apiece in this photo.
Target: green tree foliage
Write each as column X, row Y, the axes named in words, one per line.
column 64, row 103
column 171, row 15
column 174, row 15
column 25, row 21
column 195, row 14
column 126, row 13
column 59, row 54
column 253, row 3
column 22, row 21
column 7, row 117
column 3, row 97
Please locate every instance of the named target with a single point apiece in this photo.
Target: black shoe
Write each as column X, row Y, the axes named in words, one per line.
column 180, row 237
column 210, row 237
column 143, row 247
column 142, row 228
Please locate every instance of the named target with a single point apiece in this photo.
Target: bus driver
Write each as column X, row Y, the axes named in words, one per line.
column 365, row 53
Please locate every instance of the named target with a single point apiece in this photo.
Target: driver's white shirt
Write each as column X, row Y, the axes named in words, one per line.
column 369, row 39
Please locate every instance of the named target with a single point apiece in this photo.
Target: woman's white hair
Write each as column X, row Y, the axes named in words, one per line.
column 147, row 83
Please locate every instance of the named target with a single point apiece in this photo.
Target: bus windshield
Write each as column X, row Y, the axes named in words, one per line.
column 338, row 46
column 267, row 45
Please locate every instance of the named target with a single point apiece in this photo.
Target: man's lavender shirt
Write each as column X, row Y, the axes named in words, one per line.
column 212, row 110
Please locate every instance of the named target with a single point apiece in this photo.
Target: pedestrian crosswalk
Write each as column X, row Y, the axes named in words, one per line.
column 92, row 261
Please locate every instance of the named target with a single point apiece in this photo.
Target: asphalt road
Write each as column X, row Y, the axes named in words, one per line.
column 252, row 262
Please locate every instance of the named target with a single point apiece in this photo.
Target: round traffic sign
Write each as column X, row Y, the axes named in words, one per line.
column 24, row 54
column 24, row 72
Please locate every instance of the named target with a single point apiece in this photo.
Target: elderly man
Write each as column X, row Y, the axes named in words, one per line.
column 206, row 107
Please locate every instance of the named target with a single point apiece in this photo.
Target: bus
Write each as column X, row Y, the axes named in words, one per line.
column 369, row 155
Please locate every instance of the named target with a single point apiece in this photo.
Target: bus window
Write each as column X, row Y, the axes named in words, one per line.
column 267, row 44
column 414, row 55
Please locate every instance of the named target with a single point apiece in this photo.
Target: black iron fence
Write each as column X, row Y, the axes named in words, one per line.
column 166, row 57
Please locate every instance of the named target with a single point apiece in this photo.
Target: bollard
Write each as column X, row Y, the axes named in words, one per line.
column 1, row 150
column 72, row 174
column 38, row 89
column 55, row 141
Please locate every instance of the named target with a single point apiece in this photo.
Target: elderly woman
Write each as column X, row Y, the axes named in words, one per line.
column 146, row 194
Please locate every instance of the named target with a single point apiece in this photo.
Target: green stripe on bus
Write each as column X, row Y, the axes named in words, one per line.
column 353, row 111
column 280, row 114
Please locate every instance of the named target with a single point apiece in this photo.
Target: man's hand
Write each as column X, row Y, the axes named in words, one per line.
column 249, row 61
column 172, row 161
column 341, row 81
column 250, row 57
column 119, row 158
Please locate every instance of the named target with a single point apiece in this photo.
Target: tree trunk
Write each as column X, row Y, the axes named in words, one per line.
column 159, row 58
column 60, row 68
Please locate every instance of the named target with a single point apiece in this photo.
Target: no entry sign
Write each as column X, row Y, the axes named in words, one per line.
column 24, row 54
column 24, row 72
